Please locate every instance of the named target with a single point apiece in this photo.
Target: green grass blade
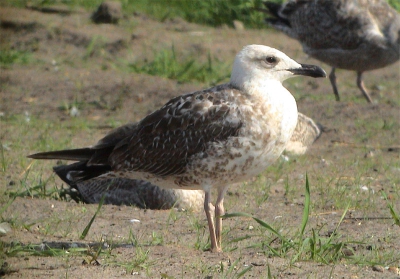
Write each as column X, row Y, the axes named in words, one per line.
column 9, row 202
column 87, row 228
column 395, row 216
column 269, row 272
column 2, row 157
column 306, row 211
column 244, row 271
column 262, row 223
column 339, row 223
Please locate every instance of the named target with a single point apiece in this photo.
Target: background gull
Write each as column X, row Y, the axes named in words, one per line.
column 357, row 35
column 143, row 194
column 205, row 139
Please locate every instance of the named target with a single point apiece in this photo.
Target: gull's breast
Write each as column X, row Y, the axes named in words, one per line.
column 268, row 126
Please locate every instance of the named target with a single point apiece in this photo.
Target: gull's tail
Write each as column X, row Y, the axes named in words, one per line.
column 77, row 172
column 81, row 154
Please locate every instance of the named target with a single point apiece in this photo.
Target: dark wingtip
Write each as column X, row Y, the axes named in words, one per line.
column 35, row 156
column 82, row 154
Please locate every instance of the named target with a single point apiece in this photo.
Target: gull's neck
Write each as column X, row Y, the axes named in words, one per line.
column 253, row 85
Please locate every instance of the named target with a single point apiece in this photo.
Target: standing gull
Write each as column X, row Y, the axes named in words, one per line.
column 143, row 194
column 357, row 35
column 204, row 139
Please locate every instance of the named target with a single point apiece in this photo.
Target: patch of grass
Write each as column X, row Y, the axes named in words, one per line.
column 96, row 45
column 21, row 179
column 232, row 271
column 87, row 4
column 87, row 228
column 264, row 186
column 35, row 187
column 354, row 183
column 395, row 215
column 139, row 262
column 25, row 124
column 44, row 250
column 300, row 246
column 395, row 4
column 95, row 254
column 156, row 239
column 10, row 57
column 211, row 12
column 202, row 236
column 38, row 189
column 41, row 132
column 166, row 64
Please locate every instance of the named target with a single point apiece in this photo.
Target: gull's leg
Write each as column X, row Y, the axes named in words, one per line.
column 332, row 78
column 209, row 208
column 219, row 211
column 360, row 85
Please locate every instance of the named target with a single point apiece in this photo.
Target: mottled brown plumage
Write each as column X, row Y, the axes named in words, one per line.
column 180, row 129
column 357, row 35
column 143, row 194
column 205, row 139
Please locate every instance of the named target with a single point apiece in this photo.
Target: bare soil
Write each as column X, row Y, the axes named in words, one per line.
column 75, row 59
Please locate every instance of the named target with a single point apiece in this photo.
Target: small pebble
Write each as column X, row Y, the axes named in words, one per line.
column 348, row 252
column 4, row 228
column 285, row 158
column 378, row 268
column 239, row 26
column 394, row 269
column 74, row 111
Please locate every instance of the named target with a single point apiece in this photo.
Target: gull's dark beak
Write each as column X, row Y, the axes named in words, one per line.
column 309, row 70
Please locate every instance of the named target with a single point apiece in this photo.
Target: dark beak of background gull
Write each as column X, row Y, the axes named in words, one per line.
column 309, row 70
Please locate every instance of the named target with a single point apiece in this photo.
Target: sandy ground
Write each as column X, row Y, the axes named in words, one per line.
column 76, row 60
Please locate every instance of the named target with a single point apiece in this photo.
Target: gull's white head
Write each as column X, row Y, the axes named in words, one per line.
column 255, row 64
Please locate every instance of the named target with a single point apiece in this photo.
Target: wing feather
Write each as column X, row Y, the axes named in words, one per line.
column 164, row 141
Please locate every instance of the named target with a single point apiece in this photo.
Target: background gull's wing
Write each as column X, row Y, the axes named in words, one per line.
column 349, row 24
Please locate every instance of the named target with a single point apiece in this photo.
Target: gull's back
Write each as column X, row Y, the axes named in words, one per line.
column 356, row 35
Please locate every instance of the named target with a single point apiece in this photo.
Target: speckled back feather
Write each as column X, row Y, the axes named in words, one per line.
column 163, row 142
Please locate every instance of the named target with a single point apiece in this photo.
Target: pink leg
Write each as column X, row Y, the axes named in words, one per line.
column 332, row 78
column 360, row 85
column 219, row 211
column 209, row 208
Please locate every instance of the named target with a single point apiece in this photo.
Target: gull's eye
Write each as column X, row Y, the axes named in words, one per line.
column 271, row 59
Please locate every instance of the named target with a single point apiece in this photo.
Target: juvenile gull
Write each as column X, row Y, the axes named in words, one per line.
column 143, row 194
column 204, row 139
column 357, row 35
